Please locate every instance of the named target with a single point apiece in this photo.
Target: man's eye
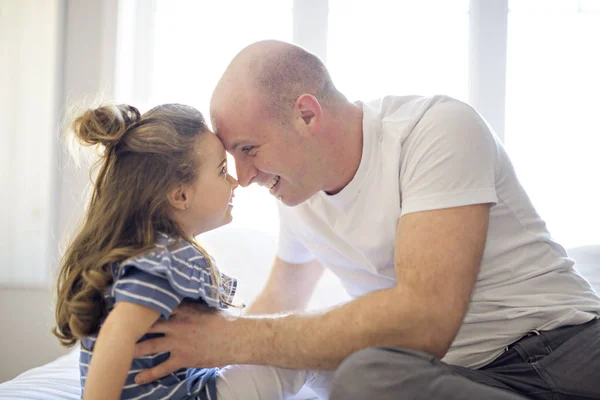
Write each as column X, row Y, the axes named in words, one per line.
column 247, row 149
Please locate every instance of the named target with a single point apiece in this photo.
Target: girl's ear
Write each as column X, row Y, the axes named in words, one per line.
column 178, row 197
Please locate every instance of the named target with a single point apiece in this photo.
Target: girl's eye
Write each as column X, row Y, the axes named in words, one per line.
column 224, row 171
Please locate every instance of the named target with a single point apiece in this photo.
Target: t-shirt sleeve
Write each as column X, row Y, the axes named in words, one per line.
column 289, row 247
column 140, row 287
column 448, row 160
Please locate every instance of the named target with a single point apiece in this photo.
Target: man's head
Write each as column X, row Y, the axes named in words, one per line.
column 277, row 112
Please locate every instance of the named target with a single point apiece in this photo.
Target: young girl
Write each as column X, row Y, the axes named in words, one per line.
column 162, row 180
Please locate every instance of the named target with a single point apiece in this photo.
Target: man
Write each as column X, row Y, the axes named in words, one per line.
column 459, row 290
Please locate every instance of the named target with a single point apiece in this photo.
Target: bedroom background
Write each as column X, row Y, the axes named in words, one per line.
column 529, row 66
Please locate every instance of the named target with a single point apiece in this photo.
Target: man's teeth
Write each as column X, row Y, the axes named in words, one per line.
column 273, row 182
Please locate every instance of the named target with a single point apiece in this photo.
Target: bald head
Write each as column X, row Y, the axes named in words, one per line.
column 275, row 73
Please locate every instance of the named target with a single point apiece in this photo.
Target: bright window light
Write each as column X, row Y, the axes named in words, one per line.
column 379, row 48
column 552, row 126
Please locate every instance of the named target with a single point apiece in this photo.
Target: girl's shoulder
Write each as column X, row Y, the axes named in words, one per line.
column 169, row 253
column 178, row 266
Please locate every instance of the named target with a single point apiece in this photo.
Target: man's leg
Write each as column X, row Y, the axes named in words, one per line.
column 389, row 374
column 563, row 363
column 560, row 364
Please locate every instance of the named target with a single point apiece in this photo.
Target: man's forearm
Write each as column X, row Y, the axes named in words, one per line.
column 323, row 341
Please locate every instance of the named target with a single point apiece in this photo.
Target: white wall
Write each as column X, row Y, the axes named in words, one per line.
column 30, row 80
column 25, row 338
column 30, row 32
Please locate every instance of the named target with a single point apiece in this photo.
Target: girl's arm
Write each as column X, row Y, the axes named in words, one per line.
column 113, row 352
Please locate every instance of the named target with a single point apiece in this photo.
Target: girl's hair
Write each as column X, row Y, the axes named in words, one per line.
column 144, row 157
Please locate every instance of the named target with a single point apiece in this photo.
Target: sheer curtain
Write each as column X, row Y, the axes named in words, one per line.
column 552, row 108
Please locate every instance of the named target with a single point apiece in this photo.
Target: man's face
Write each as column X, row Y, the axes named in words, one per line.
column 274, row 155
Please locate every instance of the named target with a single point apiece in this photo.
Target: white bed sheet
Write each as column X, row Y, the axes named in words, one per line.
column 59, row 380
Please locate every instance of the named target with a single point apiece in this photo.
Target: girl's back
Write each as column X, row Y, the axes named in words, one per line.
column 161, row 278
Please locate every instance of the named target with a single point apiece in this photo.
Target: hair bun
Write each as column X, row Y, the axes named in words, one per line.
column 105, row 125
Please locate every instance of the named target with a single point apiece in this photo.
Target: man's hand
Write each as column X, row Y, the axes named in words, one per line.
column 198, row 336
column 185, row 334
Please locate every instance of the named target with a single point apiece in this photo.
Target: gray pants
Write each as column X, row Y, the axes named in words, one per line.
column 563, row 363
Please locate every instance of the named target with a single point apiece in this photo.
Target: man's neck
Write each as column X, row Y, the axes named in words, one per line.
column 348, row 143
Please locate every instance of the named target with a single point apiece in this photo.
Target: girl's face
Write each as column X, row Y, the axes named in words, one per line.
column 210, row 197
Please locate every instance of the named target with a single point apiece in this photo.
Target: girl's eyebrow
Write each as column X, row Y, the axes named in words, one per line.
column 222, row 163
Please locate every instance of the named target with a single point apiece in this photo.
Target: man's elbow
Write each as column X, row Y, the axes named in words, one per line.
column 437, row 347
column 428, row 342
column 429, row 336
column 436, row 337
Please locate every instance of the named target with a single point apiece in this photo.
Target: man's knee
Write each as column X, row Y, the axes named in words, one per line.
column 373, row 369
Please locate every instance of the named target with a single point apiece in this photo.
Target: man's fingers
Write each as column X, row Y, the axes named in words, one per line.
column 152, row 374
column 151, row 346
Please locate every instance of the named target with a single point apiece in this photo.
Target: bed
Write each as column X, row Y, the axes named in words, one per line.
column 59, row 379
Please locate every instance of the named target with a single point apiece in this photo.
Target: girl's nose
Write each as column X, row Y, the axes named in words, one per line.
column 233, row 181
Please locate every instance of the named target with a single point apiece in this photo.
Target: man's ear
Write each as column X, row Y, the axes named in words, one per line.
column 178, row 197
column 308, row 113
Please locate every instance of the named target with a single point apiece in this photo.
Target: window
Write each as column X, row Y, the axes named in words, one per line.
column 552, row 107
column 194, row 43
column 378, row 48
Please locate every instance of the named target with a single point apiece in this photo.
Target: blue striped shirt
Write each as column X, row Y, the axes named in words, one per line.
column 161, row 279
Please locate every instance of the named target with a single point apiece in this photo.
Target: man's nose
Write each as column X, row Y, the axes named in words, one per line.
column 245, row 172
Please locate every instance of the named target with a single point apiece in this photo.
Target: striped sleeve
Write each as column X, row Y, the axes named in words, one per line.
column 173, row 271
column 140, row 287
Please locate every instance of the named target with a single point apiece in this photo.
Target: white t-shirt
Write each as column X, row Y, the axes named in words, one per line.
column 427, row 153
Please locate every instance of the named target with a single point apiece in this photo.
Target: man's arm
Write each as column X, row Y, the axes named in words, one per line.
column 289, row 288
column 437, row 259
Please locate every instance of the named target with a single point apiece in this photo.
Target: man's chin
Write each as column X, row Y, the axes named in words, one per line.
column 291, row 201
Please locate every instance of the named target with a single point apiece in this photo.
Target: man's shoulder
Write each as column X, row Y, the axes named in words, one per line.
column 416, row 117
column 393, row 107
